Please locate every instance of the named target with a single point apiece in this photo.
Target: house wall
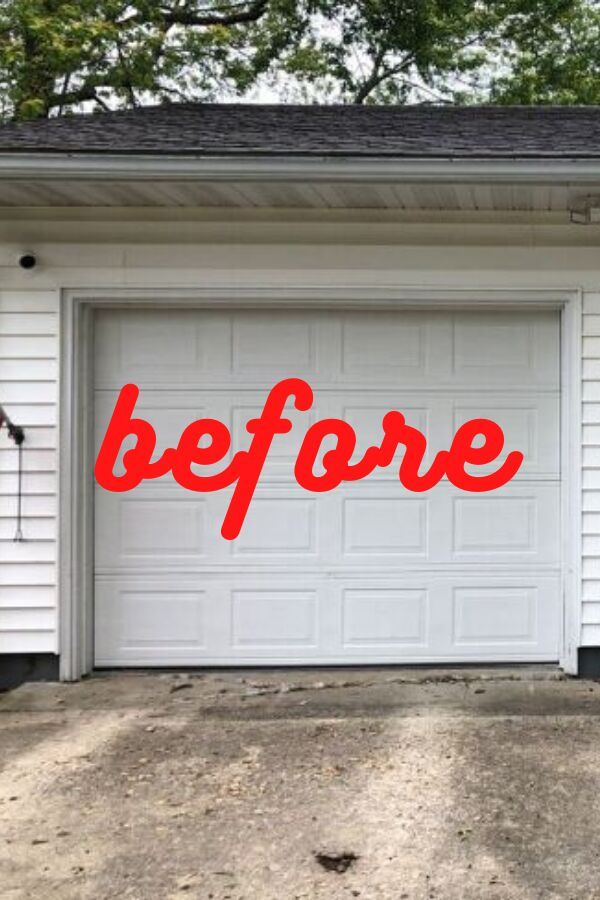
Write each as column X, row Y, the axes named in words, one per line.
column 28, row 387
column 86, row 254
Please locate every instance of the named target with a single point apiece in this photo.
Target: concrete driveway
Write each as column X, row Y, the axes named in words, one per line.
column 373, row 784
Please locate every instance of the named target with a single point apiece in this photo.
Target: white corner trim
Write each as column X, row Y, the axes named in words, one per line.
column 571, row 477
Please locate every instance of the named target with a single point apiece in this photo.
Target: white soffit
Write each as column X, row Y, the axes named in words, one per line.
column 91, row 180
column 307, row 194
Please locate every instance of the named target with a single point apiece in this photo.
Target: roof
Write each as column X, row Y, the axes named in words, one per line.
column 237, row 130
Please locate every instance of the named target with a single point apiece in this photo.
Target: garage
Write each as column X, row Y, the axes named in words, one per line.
column 366, row 573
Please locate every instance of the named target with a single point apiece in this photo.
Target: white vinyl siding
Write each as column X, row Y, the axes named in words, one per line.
column 28, row 392
column 590, row 613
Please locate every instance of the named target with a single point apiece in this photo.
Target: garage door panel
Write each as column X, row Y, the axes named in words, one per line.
column 429, row 617
column 515, row 524
column 530, row 425
column 149, row 622
column 384, row 524
column 152, row 528
column 282, row 619
column 505, row 348
column 285, row 447
column 382, row 618
column 365, row 413
column 275, row 619
column 374, row 348
column 188, row 349
column 211, row 620
column 272, row 347
column 485, row 614
column 514, row 614
column 156, row 527
column 390, row 526
column 378, row 349
column 279, row 524
column 169, row 413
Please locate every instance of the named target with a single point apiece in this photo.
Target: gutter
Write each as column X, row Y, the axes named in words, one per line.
column 144, row 167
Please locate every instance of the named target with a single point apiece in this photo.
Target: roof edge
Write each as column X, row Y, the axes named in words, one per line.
column 79, row 166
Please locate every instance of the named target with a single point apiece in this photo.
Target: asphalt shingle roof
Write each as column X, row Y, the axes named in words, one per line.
column 391, row 131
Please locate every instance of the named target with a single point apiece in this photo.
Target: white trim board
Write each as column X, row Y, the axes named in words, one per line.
column 75, row 445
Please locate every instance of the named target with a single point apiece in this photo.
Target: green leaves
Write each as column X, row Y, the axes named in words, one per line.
column 57, row 57
column 551, row 60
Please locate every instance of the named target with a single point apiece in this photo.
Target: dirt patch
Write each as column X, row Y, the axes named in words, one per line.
column 335, row 861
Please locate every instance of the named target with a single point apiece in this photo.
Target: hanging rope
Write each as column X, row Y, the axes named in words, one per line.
column 16, row 434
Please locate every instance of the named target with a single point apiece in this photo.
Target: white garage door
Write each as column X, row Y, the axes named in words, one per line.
column 368, row 572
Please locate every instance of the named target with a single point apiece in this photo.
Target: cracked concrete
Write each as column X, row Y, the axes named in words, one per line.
column 367, row 783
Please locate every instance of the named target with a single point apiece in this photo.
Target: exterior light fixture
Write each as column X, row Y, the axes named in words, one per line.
column 586, row 211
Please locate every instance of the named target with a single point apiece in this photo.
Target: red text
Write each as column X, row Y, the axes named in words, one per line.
column 246, row 465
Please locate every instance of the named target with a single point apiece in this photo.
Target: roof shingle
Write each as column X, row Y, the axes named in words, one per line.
column 214, row 129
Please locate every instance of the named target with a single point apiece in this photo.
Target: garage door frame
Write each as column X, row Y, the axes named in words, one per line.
column 75, row 512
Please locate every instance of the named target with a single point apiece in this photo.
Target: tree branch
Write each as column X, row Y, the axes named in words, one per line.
column 235, row 16
column 127, row 83
column 379, row 75
column 68, row 98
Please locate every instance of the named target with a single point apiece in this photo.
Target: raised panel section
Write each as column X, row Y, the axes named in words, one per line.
column 278, row 526
column 162, row 617
column 274, row 346
column 177, row 344
column 178, row 348
column 378, row 617
column 487, row 615
column 155, row 528
column 483, row 345
column 168, row 413
column 367, row 417
column 146, row 621
column 492, row 524
column 384, row 526
column 506, row 348
column 285, row 447
column 274, row 618
column 375, row 346
column 530, row 425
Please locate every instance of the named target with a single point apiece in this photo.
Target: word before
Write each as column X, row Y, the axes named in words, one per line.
column 246, row 465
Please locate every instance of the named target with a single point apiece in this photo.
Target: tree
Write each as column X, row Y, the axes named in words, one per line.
column 57, row 57
column 552, row 59
column 449, row 51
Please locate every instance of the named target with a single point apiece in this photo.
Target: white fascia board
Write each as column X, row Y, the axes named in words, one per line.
column 74, row 166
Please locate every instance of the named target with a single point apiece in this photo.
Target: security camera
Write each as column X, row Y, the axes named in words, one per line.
column 27, row 261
